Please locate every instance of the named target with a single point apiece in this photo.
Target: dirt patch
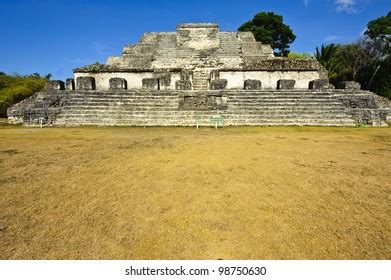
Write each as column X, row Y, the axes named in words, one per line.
column 10, row 152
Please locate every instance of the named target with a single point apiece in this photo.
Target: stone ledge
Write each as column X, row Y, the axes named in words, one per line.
column 280, row 64
column 198, row 25
column 104, row 68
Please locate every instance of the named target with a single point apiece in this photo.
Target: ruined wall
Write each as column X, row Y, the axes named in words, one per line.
column 202, row 48
column 191, row 46
column 269, row 79
column 134, row 80
column 198, row 36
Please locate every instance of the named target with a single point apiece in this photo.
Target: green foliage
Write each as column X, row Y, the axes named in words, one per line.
column 269, row 28
column 380, row 28
column 377, row 74
column 352, row 58
column 295, row 55
column 326, row 56
column 382, row 81
column 14, row 88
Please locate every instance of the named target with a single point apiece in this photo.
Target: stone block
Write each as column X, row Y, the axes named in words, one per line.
column 202, row 101
column 319, row 84
column 118, row 83
column 85, row 83
column 214, row 75
column 349, row 85
column 202, row 36
column 218, row 84
column 252, row 84
column 164, row 81
column 183, row 85
column 257, row 49
column 150, row 83
column 54, row 85
column 186, row 75
column 70, row 84
column 286, row 84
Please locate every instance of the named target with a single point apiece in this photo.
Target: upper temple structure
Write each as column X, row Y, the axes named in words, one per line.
column 200, row 76
column 199, row 57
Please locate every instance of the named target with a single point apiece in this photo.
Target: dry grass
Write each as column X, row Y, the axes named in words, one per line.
column 182, row 193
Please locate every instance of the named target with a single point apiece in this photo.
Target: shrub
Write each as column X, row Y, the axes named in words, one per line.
column 14, row 88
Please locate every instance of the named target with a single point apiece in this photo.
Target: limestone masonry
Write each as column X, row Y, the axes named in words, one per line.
column 199, row 75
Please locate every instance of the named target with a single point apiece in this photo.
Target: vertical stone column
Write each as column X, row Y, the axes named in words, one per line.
column 164, row 81
column 185, row 82
column 70, row 84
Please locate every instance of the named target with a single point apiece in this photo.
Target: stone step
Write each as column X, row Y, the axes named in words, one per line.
column 262, row 106
column 109, row 122
column 259, row 107
column 163, row 94
column 242, row 117
column 157, row 98
column 229, row 109
column 282, row 104
column 231, row 101
column 229, row 92
column 121, row 102
column 192, row 118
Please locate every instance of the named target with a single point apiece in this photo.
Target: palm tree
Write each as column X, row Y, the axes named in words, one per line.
column 326, row 56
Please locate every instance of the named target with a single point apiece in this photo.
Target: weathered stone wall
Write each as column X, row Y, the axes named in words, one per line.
column 45, row 106
column 269, row 80
column 235, row 79
column 193, row 45
column 198, row 36
column 134, row 80
column 202, row 48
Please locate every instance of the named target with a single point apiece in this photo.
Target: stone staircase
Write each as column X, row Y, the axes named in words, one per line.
column 168, row 55
column 161, row 108
column 200, row 79
column 286, row 108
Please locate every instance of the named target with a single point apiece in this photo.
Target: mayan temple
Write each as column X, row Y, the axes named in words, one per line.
column 199, row 75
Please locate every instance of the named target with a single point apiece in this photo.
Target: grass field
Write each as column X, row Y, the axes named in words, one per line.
column 182, row 193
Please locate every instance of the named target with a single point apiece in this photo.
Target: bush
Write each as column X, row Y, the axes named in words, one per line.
column 14, row 88
column 382, row 82
column 295, row 55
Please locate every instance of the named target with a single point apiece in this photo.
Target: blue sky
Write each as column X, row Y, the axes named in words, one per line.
column 57, row 36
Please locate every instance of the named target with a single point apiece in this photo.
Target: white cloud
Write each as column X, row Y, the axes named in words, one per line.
column 346, row 6
column 330, row 38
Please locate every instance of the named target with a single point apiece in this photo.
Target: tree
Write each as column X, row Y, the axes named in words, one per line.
column 326, row 56
column 378, row 74
column 269, row 28
column 15, row 87
column 380, row 28
column 353, row 58
column 367, row 60
column 296, row 55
